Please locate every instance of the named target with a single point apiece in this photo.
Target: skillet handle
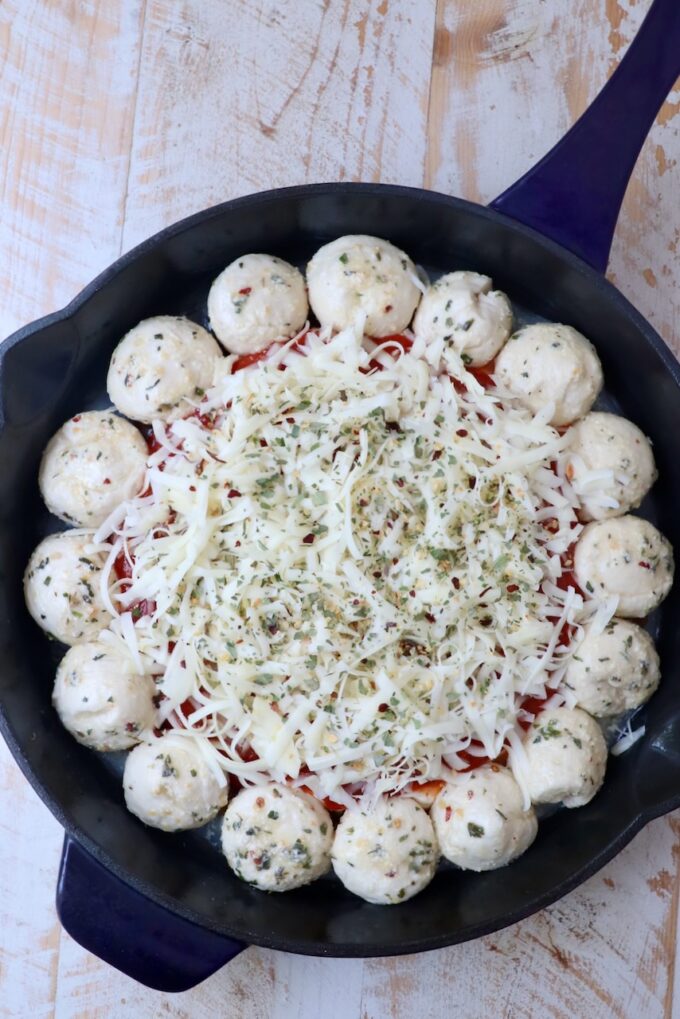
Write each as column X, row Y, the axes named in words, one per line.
column 574, row 194
column 141, row 939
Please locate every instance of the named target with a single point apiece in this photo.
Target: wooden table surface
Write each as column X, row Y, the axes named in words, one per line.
column 118, row 117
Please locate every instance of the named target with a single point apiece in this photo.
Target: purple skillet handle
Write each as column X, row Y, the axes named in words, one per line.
column 573, row 195
column 127, row 930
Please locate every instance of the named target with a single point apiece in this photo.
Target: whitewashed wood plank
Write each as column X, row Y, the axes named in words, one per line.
column 242, row 97
column 256, row 985
column 509, row 79
column 30, row 841
column 67, row 80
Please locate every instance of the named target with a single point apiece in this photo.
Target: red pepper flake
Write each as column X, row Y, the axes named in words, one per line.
column 192, row 488
column 644, row 565
column 245, row 290
column 456, row 583
column 399, row 482
column 388, row 308
column 233, row 493
column 77, row 417
column 412, row 594
column 437, row 453
column 107, row 481
column 511, row 588
column 308, row 539
column 462, row 432
column 259, row 802
column 383, row 707
column 264, row 443
column 447, row 814
column 430, row 618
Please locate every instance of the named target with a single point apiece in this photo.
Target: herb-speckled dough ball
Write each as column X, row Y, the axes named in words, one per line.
column 168, row 784
column 357, row 276
column 387, row 855
column 628, row 558
column 277, row 838
column 101, row 698
column 607, row 442
column 566, row 757
column 158, row 364
column 480, row 820
column 256, row 300
column 546, row 363
column 464, row 311
column 614, row 671
column 62, row 588
column 94, row 462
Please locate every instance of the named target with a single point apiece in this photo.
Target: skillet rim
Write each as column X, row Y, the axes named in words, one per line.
column 630, row 826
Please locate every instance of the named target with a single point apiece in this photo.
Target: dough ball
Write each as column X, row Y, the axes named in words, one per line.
column 157, row 364
column 386, row 855
column 546, row 363
column 168, row 784
column 567, row 757
column 256, row 300
column 462, row 310
column 614, row 671
column 61, row 588
column 94, row 462
column 355, row 277
column 277, row 838
column 626, row 557
column 607, row 443
column 101, row 698
column 480, row 820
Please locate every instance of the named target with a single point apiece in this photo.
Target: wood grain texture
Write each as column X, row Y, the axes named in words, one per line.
column 68, row 81
column 119, row 116
column 494, row 110
column 248, row 96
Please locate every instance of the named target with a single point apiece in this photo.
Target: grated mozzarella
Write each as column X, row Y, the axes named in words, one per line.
column 353, row 570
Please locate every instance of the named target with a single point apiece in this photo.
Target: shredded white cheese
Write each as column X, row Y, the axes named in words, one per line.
column 354, row 571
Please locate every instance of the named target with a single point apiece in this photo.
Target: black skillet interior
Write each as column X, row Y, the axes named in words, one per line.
column 56, row 368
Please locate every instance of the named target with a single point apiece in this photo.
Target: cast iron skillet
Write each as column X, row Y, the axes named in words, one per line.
column 164, row 908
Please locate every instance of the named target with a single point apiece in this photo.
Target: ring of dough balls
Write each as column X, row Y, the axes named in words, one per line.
column 93, row 463
column 606, row 442
column 277, row 838
column 480, row 820
column 628, row 558
column 551, row 364
column 566, row 757
column 101, row 698
column 160, row 363
column 614, row 671
column 256, row 300
column 461, row 311
column 168, row 784
column 386, row 855
column 62, row 588
column 362, row 279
